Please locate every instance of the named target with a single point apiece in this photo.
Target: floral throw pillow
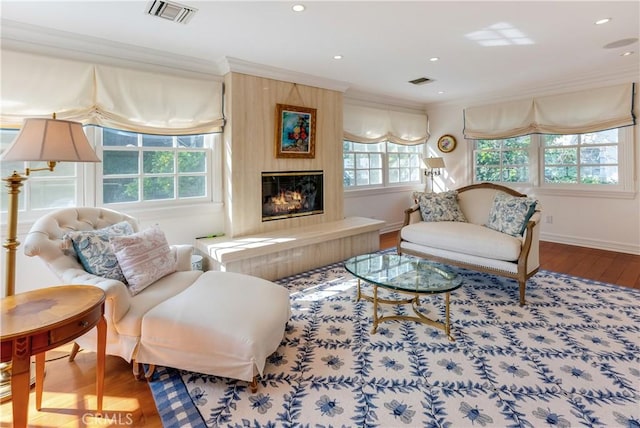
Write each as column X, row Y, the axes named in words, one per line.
column 510, row 214
column 144, row 257
column 94, row 251
column 440, row 206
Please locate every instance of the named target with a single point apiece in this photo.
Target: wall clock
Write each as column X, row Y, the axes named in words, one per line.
column 447, row 143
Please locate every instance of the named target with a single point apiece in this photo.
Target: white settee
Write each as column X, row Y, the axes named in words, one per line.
column 510, row 247
column 219, row 323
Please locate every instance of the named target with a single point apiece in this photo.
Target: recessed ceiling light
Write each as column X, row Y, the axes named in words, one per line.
column 434, row 59
column 627, row 53
column 621, row 43
column 602, row 21
column 298, row 7
column 440, row 92
column 337, row 57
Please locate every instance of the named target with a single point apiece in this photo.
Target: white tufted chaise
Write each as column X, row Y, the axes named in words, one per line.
column 251, row 316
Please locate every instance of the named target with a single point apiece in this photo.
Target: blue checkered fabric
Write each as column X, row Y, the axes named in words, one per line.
column 173, row 401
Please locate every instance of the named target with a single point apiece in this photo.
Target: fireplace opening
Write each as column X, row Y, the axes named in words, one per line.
column 287, row 194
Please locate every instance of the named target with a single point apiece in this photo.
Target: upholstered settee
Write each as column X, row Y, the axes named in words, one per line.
column 158, row 310
column 484, row 227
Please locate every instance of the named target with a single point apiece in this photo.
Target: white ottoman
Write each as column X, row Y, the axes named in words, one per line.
column 226, row 324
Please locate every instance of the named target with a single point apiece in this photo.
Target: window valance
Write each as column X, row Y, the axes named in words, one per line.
column 372, row 125
column 570, row 113
column 115, row 97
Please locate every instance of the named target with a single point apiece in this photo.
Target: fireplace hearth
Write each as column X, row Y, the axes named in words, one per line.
column 287, row 194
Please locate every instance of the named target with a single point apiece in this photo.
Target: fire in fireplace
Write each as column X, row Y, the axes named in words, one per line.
column 288, row 194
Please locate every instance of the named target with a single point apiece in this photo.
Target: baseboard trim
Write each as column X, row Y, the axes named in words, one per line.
column 619, row 247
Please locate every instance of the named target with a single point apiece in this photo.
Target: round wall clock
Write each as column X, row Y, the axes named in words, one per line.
column 447, row 143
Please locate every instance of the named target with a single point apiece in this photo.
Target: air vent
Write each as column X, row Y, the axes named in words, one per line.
column 171, row 11
column 420, row 81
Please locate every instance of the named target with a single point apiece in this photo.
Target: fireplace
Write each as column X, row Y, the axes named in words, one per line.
column 287, row 194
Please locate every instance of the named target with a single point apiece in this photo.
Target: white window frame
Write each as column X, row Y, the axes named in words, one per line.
column 532, row 152
column 386, row 184
column 88, row 184
column 625, row 189
column 213, row 187
column 81, row 177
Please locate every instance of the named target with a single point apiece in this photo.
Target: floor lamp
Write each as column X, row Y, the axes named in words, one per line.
column 52, row 141
column 434, row 167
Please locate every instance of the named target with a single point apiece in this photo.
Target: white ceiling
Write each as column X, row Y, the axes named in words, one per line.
column 539, row 46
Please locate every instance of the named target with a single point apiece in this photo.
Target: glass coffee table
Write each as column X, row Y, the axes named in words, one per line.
column 407, row 275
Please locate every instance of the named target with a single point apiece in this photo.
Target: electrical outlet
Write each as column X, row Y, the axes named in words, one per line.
column 549, row 219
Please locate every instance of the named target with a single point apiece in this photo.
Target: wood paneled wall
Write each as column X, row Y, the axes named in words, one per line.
column 249, row 138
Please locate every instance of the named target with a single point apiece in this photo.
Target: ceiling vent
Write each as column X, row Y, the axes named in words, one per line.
column 171, row 11
column 420, row 81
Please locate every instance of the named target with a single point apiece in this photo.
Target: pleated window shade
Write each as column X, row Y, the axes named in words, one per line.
column 115, row 97
column 372, row 125
column 570, row 113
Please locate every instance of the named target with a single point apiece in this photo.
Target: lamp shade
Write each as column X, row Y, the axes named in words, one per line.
column 51, row 140
column 434, row 162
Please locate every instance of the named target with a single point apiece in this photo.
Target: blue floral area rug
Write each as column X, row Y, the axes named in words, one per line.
column 569, row 358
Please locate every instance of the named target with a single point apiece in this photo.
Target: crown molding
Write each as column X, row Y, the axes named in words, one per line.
column 368, row 99
column 61, row 44
column 236, row 65
column 585, row 81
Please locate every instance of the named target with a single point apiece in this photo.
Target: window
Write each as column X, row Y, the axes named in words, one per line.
column 135, row 168
column 380, row 164
column 43, row 189
column 581, row 159
column 578, row 160
column 502, row 160
column 144, row 168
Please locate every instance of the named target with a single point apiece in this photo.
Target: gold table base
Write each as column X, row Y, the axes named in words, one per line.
column 415, row 302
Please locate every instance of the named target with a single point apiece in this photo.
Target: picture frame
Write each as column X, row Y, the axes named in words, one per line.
column 447, row 143
column 295, row 132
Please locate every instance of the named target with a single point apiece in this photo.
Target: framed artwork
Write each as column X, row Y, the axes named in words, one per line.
column 447, row 143
column 295, row 132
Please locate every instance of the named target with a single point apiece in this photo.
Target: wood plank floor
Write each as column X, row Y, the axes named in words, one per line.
column 69, row 389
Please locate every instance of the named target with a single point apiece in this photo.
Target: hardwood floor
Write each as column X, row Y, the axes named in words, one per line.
column 69, row 389
column 69, row 397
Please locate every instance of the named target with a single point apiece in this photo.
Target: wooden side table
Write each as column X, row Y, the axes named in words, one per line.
column 40, row 320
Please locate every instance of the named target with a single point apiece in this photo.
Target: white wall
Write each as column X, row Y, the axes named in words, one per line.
column 385, row 204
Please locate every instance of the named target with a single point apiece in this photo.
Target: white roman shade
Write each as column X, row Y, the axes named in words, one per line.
column 372, row 125
column 569, row 113
column 115, row 97
column 35, row 86
column 152, row 103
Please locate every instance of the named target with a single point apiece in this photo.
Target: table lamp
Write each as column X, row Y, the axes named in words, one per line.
column 49, row 140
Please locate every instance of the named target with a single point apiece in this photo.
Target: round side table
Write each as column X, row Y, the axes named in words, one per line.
column 39, row 320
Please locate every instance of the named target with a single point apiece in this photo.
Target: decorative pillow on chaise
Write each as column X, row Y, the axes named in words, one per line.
column 510, row 214
column 440, row 206
column 94, row 251
column 144, row 257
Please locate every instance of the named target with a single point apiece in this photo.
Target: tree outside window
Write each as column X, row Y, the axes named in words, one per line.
column 581, row 158
column 139, row 167
column 502, row 160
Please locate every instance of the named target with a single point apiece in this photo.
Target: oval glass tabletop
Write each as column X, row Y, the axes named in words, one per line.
column 404, row 273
